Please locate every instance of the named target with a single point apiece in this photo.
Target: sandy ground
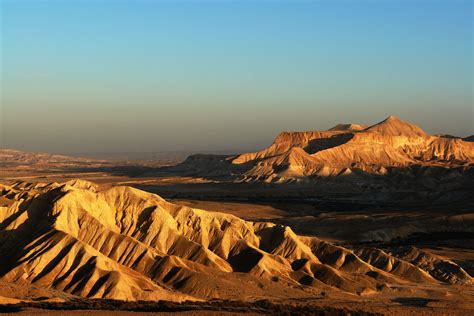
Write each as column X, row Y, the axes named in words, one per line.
column 247, row 211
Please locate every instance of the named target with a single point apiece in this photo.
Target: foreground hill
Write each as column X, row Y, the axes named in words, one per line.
column 392, row 145
column 76, row 239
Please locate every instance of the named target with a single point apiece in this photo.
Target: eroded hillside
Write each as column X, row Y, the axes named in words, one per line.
column 346, row 150
column 122, row 243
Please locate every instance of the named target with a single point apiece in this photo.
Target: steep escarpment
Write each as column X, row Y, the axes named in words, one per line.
column 355, row 150
column 350, row 148
column 350, row 153
column 128, row 244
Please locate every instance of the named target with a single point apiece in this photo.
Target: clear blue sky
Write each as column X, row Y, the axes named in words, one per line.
column 100, row 76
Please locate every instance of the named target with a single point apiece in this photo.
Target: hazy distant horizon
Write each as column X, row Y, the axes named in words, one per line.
column 143, row 153
column 157, row 76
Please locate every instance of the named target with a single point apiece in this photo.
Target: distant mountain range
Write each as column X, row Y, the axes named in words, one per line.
column 12, row 158
column 344, row 150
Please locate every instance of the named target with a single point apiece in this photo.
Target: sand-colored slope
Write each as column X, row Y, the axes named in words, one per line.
column 394, row 126
column 129, row 244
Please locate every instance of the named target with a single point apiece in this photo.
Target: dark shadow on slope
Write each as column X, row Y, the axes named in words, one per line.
column 10, row 309
column 15, row 244
column 413, row 301
column 319, row 144
column 144, row 219
column 245, row 260
column 271, row 238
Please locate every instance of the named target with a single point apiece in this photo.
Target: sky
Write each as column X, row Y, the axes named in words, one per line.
column 144, row 76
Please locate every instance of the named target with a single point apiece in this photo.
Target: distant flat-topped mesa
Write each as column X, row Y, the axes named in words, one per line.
column 76, row 239
column 349, row 149
column 348, row 127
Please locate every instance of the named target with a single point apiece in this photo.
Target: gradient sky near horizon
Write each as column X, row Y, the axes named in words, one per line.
column 142, row 76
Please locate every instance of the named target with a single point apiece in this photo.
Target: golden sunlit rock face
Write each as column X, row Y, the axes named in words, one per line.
column 123, row 243
column 349, row 148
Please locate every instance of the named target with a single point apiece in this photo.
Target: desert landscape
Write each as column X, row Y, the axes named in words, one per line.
column 368, row 219
column 203, row 157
